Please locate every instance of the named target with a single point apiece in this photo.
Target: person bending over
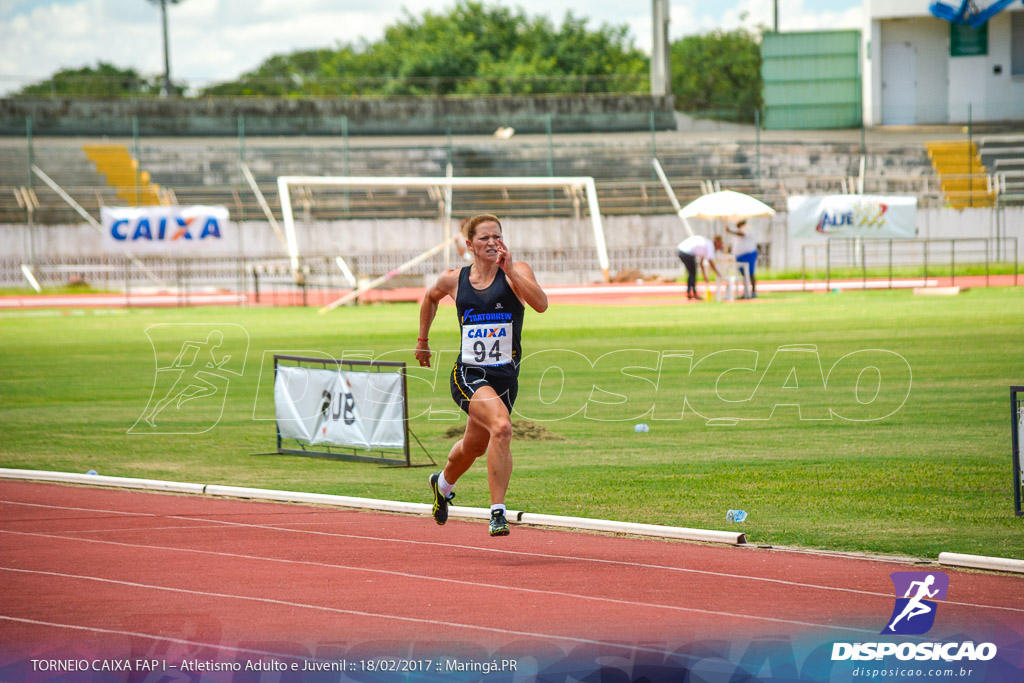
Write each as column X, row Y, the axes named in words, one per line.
column 693, row 251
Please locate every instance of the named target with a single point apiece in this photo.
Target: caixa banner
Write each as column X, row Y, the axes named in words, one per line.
column 852, row 215
column 164, row 229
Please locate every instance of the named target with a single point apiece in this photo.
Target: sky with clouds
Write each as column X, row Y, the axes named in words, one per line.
column 218, row 40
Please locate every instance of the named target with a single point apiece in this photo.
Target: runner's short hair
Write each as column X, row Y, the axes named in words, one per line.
column 469, row 225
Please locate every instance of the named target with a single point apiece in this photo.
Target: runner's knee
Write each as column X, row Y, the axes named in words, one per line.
column 501, row 430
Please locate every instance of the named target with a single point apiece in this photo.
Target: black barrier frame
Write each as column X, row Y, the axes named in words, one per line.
column 353, row 452
column 1016, row 399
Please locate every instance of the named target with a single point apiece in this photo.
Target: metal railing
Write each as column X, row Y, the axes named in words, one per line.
column 240, row 281
column 928, row 257
column 185, row 281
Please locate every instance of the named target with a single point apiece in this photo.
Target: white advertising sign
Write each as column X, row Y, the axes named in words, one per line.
column 852, row 215
column 339, row 407
column 163, row 229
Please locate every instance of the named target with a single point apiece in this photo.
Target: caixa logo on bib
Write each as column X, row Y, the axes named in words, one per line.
column 918, row 595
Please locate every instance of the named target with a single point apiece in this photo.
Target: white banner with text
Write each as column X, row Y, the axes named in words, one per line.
column 196, row 230
column 852, row 215
column 340, row 407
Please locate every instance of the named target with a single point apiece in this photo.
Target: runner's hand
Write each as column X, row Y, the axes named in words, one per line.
column 422, row 354
column 504, row 257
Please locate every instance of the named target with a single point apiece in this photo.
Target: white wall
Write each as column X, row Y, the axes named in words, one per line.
column 967, row 92
column 932, row 223
column 635, row 232
column 871, row 72
column 1004, row 95
column 945, row 85
column 930, row 39
column 889, row 9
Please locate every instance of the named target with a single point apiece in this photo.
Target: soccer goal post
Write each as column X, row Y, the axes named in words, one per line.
column 441, row 188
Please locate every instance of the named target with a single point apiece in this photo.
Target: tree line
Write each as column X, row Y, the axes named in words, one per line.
column 472, row 49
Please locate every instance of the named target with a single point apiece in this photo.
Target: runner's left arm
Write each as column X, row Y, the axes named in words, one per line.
column 522, row 280
column 524, row 284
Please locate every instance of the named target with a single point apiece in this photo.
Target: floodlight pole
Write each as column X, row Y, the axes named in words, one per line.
column 446, row 218
column 373, row 284
column 249, row 178
column 672, row 196
column 167, row 51
column 661, row 82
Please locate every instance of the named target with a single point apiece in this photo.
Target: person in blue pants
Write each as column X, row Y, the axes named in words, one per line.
column 744, row 247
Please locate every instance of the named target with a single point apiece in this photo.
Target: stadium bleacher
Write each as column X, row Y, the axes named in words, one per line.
column 1003, row 156
column 68, row 166
column 203, row 171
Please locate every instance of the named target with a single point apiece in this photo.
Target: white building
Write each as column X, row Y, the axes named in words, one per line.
column 919, row 69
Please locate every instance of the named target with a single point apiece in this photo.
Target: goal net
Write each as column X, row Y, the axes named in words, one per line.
column 397, row 198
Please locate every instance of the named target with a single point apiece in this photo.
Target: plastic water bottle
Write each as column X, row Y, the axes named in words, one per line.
column 642, row 428
column 735, row 516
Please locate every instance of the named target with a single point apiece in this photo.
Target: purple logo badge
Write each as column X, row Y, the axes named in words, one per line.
column 916, row 596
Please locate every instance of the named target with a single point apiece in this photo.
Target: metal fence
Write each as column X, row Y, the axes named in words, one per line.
column 880, row 259
column 270, row 281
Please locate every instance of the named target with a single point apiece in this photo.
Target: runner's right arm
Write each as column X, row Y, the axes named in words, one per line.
column 447, row 285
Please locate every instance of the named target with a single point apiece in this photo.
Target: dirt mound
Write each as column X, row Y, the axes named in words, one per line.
column 634, row 275
column 525, row 429
column 521, row 429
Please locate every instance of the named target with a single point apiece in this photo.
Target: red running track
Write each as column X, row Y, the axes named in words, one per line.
column 119, row 571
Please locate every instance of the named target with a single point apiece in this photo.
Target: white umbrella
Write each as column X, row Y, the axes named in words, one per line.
column 725, row 205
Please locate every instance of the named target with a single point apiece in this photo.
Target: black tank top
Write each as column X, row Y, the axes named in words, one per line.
column 491, row 322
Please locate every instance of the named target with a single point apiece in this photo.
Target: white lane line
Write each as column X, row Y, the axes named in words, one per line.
column 472, row 584
column 165, row 639
column 78, row 509
column 360, row 613
column 642, row 565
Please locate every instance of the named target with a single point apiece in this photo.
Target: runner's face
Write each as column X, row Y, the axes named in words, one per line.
column 486, row 239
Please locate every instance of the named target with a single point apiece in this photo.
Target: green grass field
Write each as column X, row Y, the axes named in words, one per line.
column 905, row 449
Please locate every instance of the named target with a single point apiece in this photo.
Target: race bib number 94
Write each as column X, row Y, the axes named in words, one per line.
column 487, row 344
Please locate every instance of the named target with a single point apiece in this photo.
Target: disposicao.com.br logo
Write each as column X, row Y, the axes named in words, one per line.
column 917, row 599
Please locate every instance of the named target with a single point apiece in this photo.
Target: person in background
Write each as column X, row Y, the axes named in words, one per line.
column 459, row 239
column 744, row 248
column 693, row 251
